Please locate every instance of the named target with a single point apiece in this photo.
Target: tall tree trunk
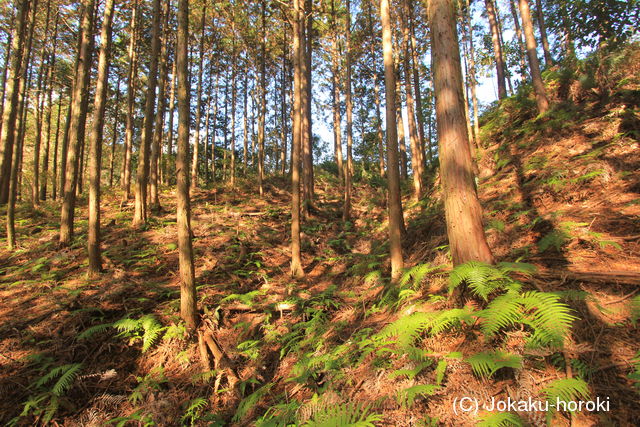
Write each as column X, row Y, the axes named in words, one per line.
column 233, row 109
column 140, row 212
column 54, row 178
column 77, row 123
column 416, row 151
column 497, row 49
column 183, row 210
column 156, row 148
column 462, row 209
column 215, row 124
column 532, row 54
column 196, row 136
column 548, row 60
column 376, row 89
column 335, row 65
column 114, row 140
column 245, row 122
column 172, row 99
column 298, row 59
column 472, row 74
column 95, row 157
column 263, row 99
column 416, row 86
column 507, row 72
column 131, row 98
column 400, row 120
column 283, row 107
column 47, row 144
column 348, row 175
column 521, row 49
column 307, row 132
column 393, row 174
column 5, row 73
column 11, row 92
column 40, row 100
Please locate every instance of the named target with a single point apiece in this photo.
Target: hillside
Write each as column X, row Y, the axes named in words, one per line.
column 560, row 193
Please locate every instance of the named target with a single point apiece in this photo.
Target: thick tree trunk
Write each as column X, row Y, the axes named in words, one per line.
column 393, row 181
column 348, row 176
column 196, row 136
column 183, row 210
column 140, row 213
column 11, row 92
column 77, row 123
column 497, row 49
column 532, row 54
column 548, row 60
column 298, row 58
column 462, row 209
column 131, row 95
column 95, row 145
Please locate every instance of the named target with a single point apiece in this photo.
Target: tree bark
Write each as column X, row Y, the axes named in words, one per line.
column 307, row 132
column 335, row 65
column 497, row 49
column 114, row 140
column 348, row 176
column 196, row 136
column 47, row 145
column 140, row 213
column 462, row 209
column 522, row 50
column 263, row 99
column 532, row 55
column 183, row 210
column 172, row 99
column 472, row 75
column 95, row 145
column 76, row 124
column 393, row 174
column 548, row 60
column 298, row 59
column 131, row 95
column 11, row 92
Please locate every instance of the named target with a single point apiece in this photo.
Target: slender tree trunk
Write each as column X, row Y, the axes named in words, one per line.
column 335, row 57
column 507, row 72
column 5, row 73
column 140, row 212
column 462, row 209
column 95, row 157
column 112, row 157
column 263, row 99
column 233, row 109
column 416, row 86
column 548, row 60
column 522, row 51
column 376, row 90
column 156, row 148
column 77, row 122
column 196, row 136
column 245, row 122
column 131, row 95
column 416, row 151
column 298, row 59
column 40, row 100
column 497, row 49
column 307, row 132
column 472, row 75
column 47, row 145
column 283, row 107
column 393, row 181
column 183, row 211
column 348, row 176
column 215, row 124
column 172, row 99
column 400, row 132
column 11, row 92
column 54, row 178
column 532, row 54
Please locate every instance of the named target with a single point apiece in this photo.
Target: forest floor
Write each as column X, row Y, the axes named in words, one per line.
column 560, row 192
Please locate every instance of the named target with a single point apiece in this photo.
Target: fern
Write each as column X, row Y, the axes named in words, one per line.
column 249, row 402
column 501, row 419
column 407, row 397
column 146, row 328
column 484, row 279
column 566, row 390
column 441, row 369
column 550, row 319
column 635, row 375
column 486, row 364
column 194, row 410
column 414, row 275
column 410, row 373
column 349, row 414
column 93, row 330
column 635, row 309
column 502, row 312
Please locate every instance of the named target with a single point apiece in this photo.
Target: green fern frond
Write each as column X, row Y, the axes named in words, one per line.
column 194, row 409
column 550, row 318
column 486, row 364
column 66, row 379
column 249, row 402
column 441, row 369
column 93, row 330
column 502, row 312
column 407, row 329
column 518, row 267
column 483, row 279
column 501, row 419
column 407, row 397
column 349, row 414
column 410, row 373
column 152, row 330
column 446, row 319
column 127, row 325
column 635, row 309
column 416, row 274
column 566, row 390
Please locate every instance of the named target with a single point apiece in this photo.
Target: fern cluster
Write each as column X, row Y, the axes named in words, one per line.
column 146, row 328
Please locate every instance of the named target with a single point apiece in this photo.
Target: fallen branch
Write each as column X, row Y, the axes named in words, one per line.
column 618, row 277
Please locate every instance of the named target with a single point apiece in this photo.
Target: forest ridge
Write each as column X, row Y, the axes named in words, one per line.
column 181, row 248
